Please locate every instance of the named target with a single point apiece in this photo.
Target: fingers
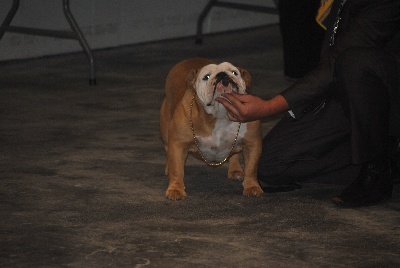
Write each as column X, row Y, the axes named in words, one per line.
column 242, row 107
column 232, row 97
column 243, row 98
column 232, row 117
column 228, row 101
column 232, row 111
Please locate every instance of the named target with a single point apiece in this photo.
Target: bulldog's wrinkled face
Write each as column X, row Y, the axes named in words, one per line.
column 213, row 80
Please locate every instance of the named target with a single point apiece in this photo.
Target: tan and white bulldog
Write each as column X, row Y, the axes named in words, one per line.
column 192, row 121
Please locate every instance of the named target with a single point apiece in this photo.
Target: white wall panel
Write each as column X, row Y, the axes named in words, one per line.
column 112, row 23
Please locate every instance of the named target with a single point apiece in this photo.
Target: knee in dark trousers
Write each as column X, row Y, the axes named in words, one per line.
column 366, row 86
column 298, row 150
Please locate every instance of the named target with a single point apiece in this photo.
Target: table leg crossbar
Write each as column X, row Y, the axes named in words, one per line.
column 74, row 34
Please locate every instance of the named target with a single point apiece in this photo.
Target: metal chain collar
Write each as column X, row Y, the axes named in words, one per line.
column 213, row 164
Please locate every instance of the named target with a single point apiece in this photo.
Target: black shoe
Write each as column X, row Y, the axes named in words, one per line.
column 372, row 186
column 281, row 188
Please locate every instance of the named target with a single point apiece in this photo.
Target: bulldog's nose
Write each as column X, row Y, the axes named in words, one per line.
column 221, row 75
column 224, row 78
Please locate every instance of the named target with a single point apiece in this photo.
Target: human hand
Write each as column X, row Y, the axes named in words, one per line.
column 246, row 108
column 242, row 108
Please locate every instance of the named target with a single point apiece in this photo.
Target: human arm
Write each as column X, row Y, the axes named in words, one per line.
column 246, row 108
column 364, row 23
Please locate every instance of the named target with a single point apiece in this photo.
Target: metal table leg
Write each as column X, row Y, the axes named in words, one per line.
column 9, row 17
column 81, row 38
column 74, row 34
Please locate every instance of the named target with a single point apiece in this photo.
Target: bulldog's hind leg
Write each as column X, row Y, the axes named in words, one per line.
column 235, row 170
column 176, row 165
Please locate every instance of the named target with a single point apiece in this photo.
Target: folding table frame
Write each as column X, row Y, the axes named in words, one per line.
column 74, row 34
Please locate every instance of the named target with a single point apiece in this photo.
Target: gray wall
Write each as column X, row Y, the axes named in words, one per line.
column 112, row 23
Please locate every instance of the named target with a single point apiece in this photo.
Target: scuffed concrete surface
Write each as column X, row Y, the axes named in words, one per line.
column 82, row 184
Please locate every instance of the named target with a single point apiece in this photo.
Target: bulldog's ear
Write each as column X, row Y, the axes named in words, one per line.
column 191, row 78
column 247, row 78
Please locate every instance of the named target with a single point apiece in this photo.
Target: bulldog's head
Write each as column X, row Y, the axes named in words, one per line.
column 212, row 80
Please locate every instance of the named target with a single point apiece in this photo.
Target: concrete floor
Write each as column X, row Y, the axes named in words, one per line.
column 82, row 184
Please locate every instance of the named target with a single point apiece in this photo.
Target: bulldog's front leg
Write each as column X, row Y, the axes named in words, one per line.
column 177, row 154
column 235, row 170
column 251, row 156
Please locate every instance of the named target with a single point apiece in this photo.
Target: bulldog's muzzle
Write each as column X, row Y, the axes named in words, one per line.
column 223, row 78
column 226, row 80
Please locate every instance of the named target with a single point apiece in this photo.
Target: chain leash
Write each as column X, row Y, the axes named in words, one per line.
column 213, row 164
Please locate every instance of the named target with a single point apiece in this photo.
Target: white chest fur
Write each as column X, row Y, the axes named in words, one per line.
column 217, row 146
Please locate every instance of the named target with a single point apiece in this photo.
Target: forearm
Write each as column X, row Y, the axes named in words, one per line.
column 275, row 106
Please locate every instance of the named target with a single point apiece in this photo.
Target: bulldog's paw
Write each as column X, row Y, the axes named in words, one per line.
column 253, row 191
column 236, row 176
column 175, row 194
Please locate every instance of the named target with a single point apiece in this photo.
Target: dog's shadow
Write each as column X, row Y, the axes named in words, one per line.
column 205, row 180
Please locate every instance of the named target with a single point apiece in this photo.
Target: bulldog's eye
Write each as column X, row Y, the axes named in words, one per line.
column 206, row 77
column 235, row 73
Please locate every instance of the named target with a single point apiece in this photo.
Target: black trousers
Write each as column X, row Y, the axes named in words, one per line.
column 348, row 129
